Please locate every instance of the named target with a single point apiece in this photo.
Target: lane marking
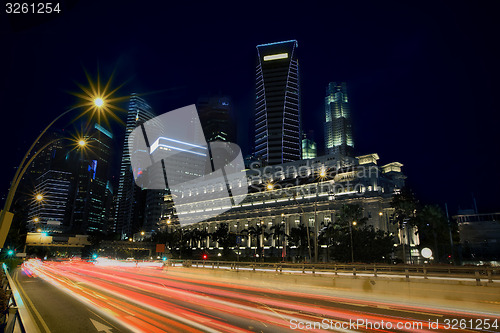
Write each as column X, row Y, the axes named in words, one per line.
column 32, row 306
column 100, row 327
column 103, row 319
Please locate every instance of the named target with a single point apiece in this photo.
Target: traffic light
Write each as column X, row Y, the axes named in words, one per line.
column 10, row 253
column 94, row 256
column 205, row 257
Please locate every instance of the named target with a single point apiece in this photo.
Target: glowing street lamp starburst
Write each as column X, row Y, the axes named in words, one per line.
column 98, row 101
column 38, row 198
column 80, row 141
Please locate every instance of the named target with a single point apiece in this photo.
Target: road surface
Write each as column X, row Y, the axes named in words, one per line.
column 85, row 297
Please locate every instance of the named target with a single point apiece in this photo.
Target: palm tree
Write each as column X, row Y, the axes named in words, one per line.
column 405, row 207
column 349, row 216
column 432, row 225
column 298, row 237
column 328, row 235
column 257, row 232
column 278, row 230
column 195, row 237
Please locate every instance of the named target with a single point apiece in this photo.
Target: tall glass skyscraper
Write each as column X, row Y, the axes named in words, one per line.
column 216, row 118
column 91, row 170
column 128, row 195
column 338, row 127
column 277, row 108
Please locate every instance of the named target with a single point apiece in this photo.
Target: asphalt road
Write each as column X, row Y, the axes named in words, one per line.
column 73, row 296
column 54, row 310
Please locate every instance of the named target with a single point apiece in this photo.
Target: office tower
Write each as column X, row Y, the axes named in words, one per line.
column 130, row 200
column 91, row 170
column 309, row 148
column 110, row 206
column 338, row 128
column 50, row 158
column 216, row 119
column 277, row 108
column 52, row 213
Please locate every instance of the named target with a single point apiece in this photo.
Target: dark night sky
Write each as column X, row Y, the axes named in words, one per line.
column 422, row 76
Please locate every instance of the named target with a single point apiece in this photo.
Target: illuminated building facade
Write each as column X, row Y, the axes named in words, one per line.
column 129, row 212
column 306, row 192
column 338, row 126
column 53, row 212
column 277, row 106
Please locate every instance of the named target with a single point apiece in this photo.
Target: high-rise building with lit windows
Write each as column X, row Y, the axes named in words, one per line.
column 277, row 109
column 216, row 119
column 91, row 168
column 130, row 201
column 309, row 148
column 53, row 212
column 338, row 126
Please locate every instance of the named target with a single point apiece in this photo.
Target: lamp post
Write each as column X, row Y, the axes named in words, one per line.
column 322, row 176
column 354, row 223
column 6, row 216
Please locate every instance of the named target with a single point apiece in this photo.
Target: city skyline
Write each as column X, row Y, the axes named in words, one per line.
column 249, row 166
column 392, row 92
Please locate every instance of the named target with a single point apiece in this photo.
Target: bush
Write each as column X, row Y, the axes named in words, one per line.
column 12, row 263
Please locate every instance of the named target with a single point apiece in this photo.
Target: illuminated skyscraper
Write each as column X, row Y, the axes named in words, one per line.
column 130, row 199
column 338, row 127
column 277, row 109
column 216, row 119
column 91, row 171
column 309, row 148
column 53, row 212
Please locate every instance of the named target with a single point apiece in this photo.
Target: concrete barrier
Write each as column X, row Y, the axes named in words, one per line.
column 462, row 295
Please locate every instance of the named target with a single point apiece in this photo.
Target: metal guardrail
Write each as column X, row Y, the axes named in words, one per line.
column 477, row 273
column 17, row 318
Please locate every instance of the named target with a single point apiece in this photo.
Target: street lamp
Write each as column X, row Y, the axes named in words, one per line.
column 322, row 173
column 322, row 176
column 39, row 197
column 354, row 223
column 99, row 103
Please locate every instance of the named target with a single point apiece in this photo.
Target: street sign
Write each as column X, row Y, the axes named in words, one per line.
column 21, row 255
